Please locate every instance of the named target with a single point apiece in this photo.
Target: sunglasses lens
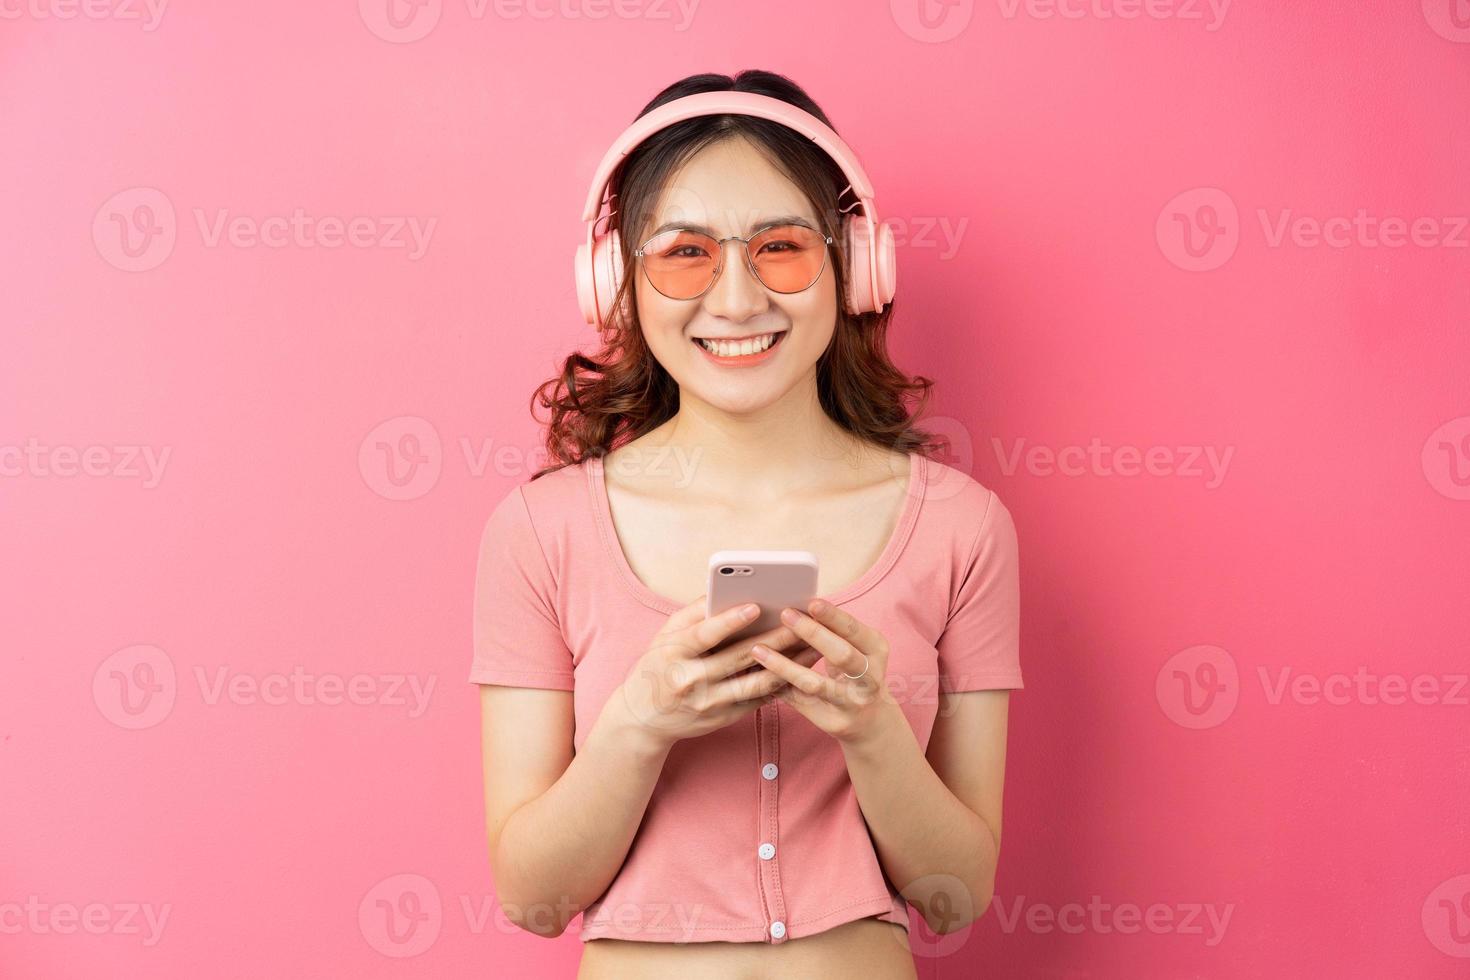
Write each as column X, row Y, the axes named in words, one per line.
column 789, row 258
column 680, row 263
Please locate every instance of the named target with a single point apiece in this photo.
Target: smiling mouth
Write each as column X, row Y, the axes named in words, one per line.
column 744, row 347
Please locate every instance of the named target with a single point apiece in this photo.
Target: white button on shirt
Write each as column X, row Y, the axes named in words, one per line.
column 778, row 929
column 769, row 770
column 767, row 851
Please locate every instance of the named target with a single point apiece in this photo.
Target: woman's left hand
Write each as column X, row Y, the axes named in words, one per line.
column 850, row 709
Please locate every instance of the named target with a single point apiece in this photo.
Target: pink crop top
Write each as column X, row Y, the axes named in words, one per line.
column 753, row 832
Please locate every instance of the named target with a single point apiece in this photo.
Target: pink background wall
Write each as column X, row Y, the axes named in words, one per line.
column 246, row 464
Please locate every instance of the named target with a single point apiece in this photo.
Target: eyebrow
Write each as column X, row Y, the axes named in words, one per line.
column 784, row 219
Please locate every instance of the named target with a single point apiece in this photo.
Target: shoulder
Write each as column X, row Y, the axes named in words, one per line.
column 964, row 505
column 538, row 509
column 550, row 495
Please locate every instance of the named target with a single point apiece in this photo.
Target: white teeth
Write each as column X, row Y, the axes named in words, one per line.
column 722, row 348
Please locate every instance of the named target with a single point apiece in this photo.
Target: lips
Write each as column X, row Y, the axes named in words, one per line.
column 732, row 345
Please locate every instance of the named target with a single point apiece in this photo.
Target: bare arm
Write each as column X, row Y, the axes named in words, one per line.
column 935, row 816
column 559, row 823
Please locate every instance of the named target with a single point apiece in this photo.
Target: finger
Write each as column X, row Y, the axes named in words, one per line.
column 710, row 632
column 736, row 656
column 688, row 616
column 758, row 683
column 844, row 624
column 839, row 652
column 803, row 679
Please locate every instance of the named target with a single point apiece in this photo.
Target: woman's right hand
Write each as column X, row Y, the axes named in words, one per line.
column 676, row 690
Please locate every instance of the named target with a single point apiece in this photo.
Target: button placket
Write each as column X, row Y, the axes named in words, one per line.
column 768, row 738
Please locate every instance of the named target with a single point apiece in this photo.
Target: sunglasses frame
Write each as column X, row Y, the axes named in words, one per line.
column 720, row 265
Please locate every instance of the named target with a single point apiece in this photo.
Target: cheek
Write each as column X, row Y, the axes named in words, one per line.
column 661, row 318
column 813, row 314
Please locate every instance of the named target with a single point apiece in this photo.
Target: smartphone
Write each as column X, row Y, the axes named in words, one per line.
column 771, row 579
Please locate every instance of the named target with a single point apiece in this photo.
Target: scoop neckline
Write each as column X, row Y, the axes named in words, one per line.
column 908, row 516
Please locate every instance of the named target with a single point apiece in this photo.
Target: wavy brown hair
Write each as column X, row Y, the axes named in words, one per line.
column 616, row 394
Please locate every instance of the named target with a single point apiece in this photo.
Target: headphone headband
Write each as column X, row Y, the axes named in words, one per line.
column 737, row 103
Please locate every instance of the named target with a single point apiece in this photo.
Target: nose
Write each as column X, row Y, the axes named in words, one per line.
column 736, row 294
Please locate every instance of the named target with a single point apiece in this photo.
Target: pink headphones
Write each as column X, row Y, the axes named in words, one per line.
column 872, row 272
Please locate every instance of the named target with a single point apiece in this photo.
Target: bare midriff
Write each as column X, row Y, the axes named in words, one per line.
column 868, row 948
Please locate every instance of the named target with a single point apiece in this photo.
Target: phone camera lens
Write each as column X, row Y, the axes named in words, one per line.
column 727, row 570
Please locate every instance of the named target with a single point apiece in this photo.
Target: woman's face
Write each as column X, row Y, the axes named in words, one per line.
column 729, row 188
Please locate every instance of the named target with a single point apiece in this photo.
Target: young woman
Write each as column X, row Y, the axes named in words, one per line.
column 767, row 807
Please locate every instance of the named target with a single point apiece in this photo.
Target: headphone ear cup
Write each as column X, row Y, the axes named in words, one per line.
column 885, row 268
column 599, row 273
column 867, row 262
column 586, row 288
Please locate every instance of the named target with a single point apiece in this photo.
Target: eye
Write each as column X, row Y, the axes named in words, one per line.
column 787, row 240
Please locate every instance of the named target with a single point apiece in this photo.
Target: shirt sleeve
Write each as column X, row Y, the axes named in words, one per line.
column 517, row 638
column 980, row 648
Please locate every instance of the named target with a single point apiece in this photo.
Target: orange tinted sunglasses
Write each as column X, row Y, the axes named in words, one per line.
column 682, row 263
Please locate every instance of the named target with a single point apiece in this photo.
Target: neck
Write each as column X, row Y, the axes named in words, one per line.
column 762, row 455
